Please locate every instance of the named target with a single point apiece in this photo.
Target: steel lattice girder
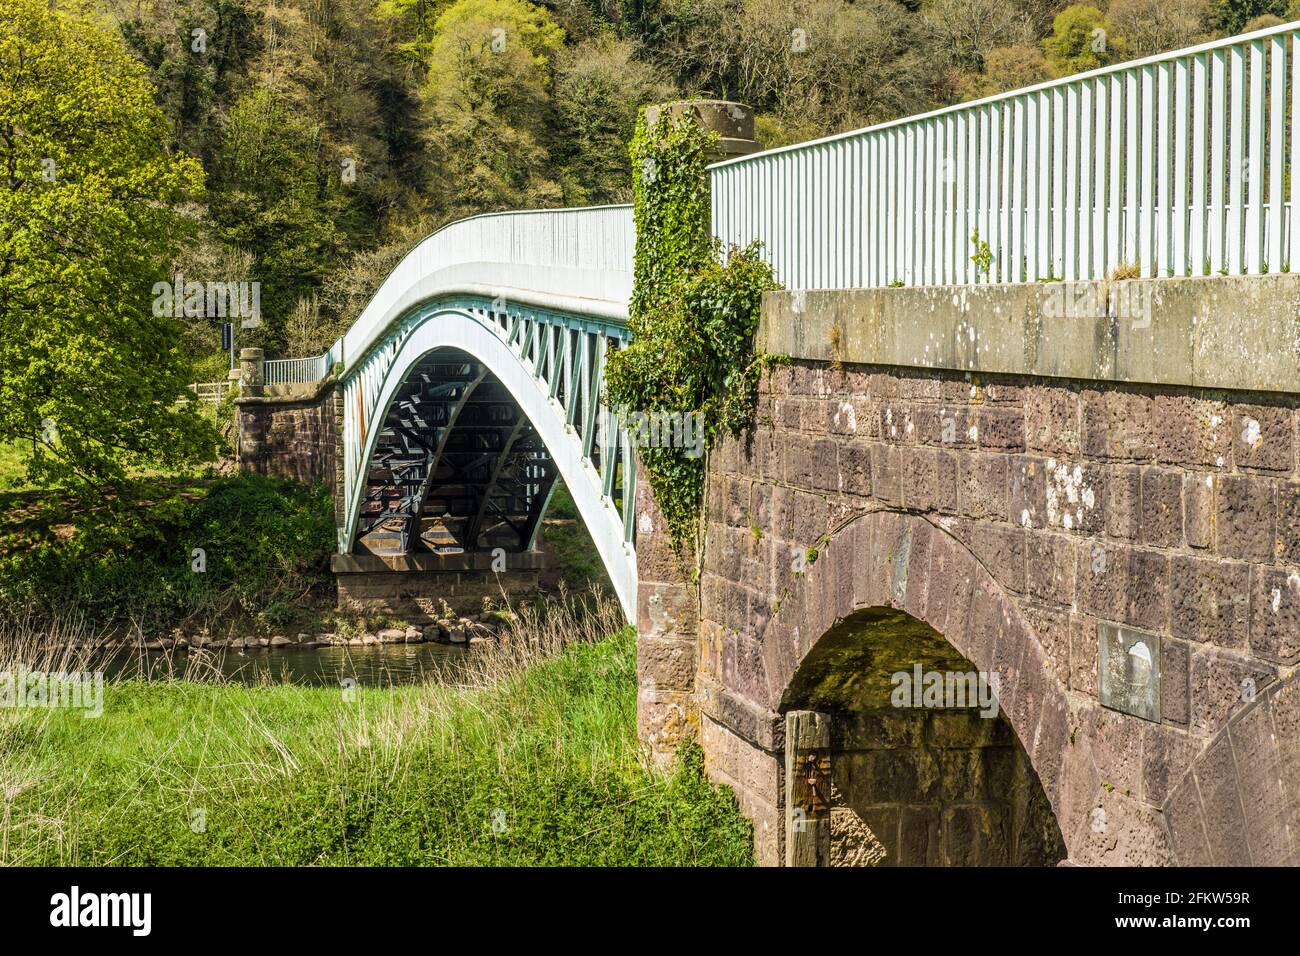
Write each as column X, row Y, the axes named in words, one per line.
column 480, row 406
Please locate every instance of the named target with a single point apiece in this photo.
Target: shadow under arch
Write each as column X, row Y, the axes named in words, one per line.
column 886, row 560
column 456, row 465
column 923, row 768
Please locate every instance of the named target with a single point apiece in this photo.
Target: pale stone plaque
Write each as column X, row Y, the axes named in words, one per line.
column 1129, row 665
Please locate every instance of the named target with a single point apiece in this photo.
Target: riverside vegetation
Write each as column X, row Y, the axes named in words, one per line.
column 524, row 751
column 526, row 755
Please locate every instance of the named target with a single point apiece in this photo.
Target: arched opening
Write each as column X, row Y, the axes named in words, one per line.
column 899, row 754
column 457, row 466
column 536, row 415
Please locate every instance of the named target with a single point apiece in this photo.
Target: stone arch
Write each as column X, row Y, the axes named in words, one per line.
column 920, row 767
column 909, row 563
column 1238, row 802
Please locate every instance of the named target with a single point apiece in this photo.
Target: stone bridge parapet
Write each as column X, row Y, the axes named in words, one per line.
column 1044, row 484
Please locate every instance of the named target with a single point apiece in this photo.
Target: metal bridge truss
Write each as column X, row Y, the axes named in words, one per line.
column 458, row 423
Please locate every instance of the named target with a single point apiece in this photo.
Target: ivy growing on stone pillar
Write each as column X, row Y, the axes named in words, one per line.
column 693, row 314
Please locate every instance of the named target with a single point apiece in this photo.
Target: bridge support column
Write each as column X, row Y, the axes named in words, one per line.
column 252, row 371
column 290, row 431
column 667, row 620
column 668, row 595
column 807, row 788
column 414, row 586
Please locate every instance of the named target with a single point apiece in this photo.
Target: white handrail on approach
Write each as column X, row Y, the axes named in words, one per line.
column 572, row 260
column 1181, row 164
column 296, row 370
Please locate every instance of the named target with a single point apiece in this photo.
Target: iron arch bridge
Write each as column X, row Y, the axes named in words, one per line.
column 472, row 382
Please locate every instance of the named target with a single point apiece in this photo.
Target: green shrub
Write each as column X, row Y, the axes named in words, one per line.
column 262, row 541
column 693, row 314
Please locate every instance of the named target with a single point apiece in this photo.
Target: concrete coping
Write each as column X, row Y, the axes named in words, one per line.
column 285, row 393
column 1221, row 332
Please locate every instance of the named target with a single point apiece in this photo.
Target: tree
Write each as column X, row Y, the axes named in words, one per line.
column 271, row 199
column 1082, row 39
column 1232, row 16
column 89, row 375
column 600, row 88
column 488, row 104
column 817, row 66
column 1263, row 22
column 1007, row 68
column 197, row 53
column 968, row 29
column 1157, row 26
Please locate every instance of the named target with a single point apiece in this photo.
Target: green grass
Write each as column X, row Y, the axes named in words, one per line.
column 13, row 467
column 571, row 555
column 295, row 776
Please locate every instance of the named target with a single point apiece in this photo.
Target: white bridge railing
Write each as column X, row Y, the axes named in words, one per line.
column 212, row 392
column 1181, row 164
column 297, row 370
column 569, row 260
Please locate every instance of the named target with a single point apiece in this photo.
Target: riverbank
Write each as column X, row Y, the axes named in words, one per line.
column 531, row 758
column 237, row 562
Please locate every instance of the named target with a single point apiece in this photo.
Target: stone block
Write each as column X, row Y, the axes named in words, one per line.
column 1263, row 438
column 1161, row 522
column 1028, row 492
column 982, row 486
column 1221, row 684
column 1052, row 420
column 1210, row 601
column 1192, row 432
column 1275, row 614
column 1123, row 501
column 1050, row 566
column 1001, row 429
column 1245, row 507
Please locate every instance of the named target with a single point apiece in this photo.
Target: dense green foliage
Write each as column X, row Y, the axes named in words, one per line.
column 265, row 543
column 1236, row 16
column 671, row 208
column 1082, row 39
column 87, row 224
column 541, row 769
column 333, row 133
column 693, row 315
column 571, row 555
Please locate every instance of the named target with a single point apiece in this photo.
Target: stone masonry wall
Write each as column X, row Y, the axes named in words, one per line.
column 418, row 596
column 293, row 437
column 1171, row 510
column 935, row 788
column 667, row 636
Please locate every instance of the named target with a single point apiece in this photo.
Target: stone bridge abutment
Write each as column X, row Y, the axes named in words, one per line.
column 1101, row 509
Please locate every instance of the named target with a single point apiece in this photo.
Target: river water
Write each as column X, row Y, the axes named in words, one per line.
column 374, row 665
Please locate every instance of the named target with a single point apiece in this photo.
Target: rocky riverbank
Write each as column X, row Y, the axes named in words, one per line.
column 450, row 630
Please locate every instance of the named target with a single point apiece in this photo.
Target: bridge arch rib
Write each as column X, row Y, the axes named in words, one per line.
column 549, row 365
